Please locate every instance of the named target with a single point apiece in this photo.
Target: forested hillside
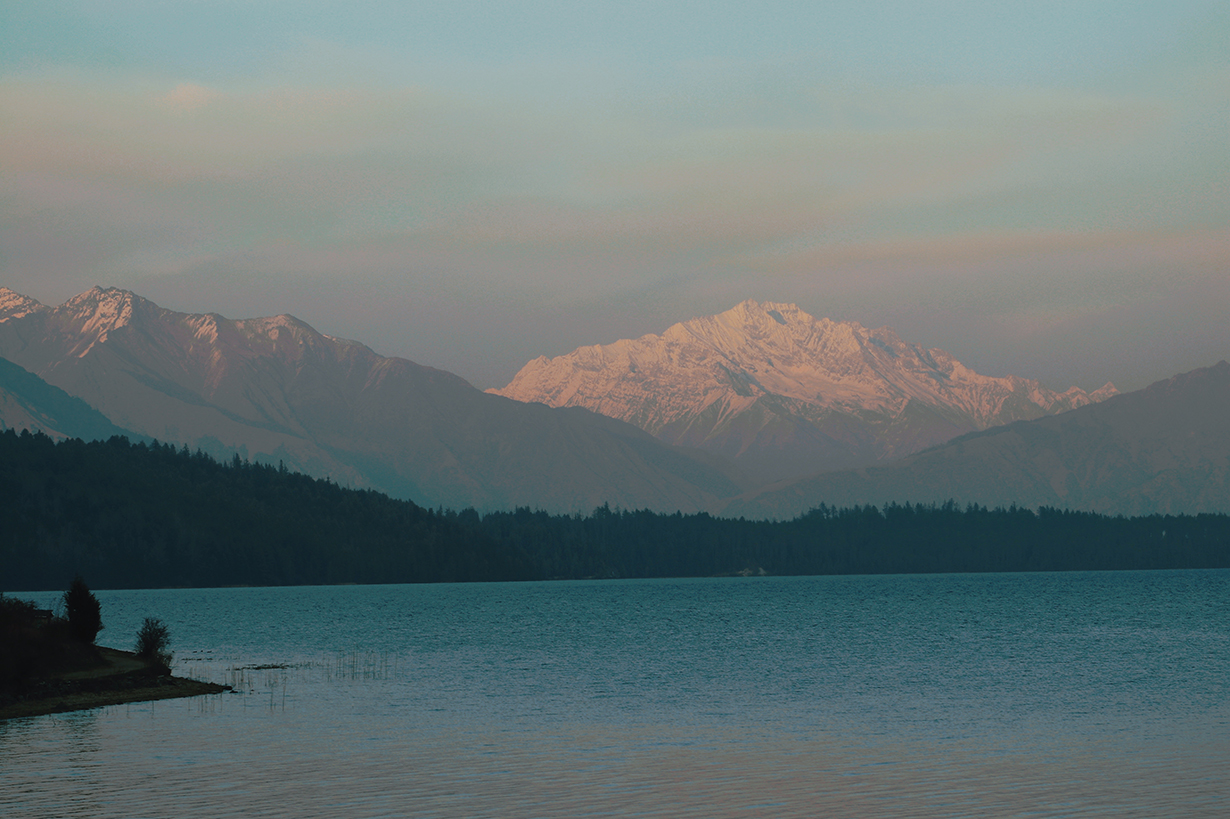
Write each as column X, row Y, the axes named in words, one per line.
column 147, row 515
column 136, row 515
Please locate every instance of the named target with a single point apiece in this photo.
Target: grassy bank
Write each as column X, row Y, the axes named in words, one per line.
column 121, row 677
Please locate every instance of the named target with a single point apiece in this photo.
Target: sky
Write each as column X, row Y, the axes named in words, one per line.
column 1041, row 190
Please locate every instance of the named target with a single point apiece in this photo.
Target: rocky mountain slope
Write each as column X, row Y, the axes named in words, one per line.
column 29, row 402
column 1163, row 449
column 786, row 394
column 274, row 389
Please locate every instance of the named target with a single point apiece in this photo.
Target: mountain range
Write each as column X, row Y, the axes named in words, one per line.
column 275, row 389
column 784, row 394
column 764, row 388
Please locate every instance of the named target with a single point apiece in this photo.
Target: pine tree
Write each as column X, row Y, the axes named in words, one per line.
column 83, row 612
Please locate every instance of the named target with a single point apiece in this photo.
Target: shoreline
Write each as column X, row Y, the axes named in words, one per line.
column 125, row 679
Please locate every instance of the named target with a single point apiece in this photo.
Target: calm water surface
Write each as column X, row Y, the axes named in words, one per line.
column 1091, row 694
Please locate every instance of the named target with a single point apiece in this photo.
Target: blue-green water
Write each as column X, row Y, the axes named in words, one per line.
column 1084, row 694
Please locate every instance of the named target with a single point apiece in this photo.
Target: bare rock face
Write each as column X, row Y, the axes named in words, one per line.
column 1161, row 450
column 275, row 389
column 786, row 394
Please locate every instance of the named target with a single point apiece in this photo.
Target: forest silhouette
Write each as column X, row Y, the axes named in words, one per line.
column 148, row 515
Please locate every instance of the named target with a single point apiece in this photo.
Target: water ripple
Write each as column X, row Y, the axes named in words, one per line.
column 968, row 695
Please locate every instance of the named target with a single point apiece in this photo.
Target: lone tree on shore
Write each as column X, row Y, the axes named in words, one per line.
column 154, row 641
column 83, row 612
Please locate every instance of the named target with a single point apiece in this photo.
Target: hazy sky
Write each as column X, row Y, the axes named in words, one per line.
column 1040, row 188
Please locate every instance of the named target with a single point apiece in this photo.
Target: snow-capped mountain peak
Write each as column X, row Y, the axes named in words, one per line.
column 728, row 381
column 99, row 311
column 14, row 305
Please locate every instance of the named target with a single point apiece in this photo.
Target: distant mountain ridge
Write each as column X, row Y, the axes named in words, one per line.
column 1163, row 449
column 785, row 394
column 276, row 389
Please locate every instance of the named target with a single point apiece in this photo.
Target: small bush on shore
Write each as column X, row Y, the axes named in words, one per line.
column 154, row 641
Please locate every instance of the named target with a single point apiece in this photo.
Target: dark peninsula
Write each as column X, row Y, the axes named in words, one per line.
column 52, row 665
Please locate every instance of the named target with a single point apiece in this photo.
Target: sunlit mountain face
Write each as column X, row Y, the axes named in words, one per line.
column 786, row 394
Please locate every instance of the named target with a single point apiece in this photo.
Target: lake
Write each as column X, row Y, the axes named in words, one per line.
column 1076, row 694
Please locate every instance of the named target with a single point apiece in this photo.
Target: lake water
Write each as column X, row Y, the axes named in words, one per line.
column 1086, row 694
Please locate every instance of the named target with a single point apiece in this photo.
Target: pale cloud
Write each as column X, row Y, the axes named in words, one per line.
column 189, row 96
column 974, row 250
column 408, row 160
column 670, row 192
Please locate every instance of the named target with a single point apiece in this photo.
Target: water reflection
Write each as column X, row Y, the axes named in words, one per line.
column 428, row 770
column 61, row 754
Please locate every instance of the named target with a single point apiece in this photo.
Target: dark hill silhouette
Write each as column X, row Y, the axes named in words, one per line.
column 1163, row 449
column 150, row 515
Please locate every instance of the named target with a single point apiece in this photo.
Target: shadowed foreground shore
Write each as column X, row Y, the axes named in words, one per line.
column 124, row 677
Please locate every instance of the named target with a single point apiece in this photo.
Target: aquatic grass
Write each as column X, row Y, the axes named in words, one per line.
column 256, row 679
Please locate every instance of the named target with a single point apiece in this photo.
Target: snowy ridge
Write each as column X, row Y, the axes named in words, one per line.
column 14, row 305
column 274, row 389
column 208, row 340
column 702, row 381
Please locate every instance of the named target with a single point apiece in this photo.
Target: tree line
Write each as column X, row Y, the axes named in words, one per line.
column 137, row 515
